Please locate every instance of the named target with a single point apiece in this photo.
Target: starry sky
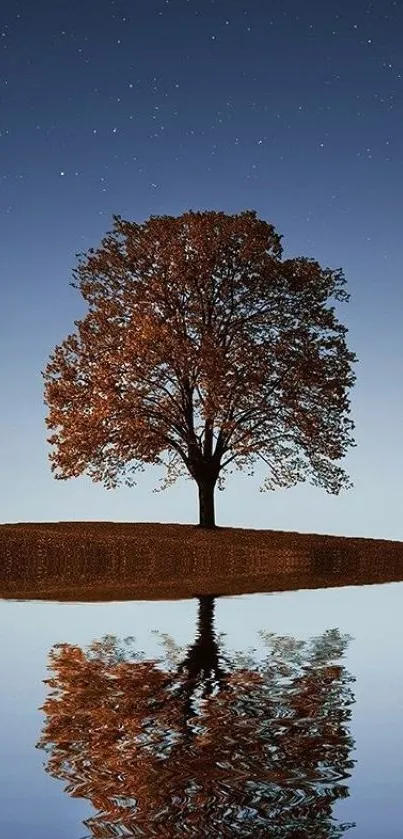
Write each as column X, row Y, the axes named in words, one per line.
column 294, row 109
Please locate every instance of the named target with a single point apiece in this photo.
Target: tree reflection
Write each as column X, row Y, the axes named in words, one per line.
column 203, row 744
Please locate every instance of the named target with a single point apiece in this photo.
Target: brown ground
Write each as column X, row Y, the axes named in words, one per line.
column 87, row 561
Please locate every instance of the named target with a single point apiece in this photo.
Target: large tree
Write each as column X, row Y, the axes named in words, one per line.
column 202, row 348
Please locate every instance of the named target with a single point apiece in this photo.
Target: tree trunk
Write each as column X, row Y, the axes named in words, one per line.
column 206, row 504
column 202, row 665
column 205, row 621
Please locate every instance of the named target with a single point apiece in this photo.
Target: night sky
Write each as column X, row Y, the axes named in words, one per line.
column 291, row 108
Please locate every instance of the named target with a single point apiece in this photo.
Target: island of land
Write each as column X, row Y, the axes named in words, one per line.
column 81, row 561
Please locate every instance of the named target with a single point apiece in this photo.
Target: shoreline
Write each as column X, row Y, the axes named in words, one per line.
column 95, row 561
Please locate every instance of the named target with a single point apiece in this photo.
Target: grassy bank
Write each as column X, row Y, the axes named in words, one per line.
column 88, row 561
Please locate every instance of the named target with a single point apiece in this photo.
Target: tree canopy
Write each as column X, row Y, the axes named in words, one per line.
column 202, row 349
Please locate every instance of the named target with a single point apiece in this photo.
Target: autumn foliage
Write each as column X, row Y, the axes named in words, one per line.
column 212, row 744
column 202, row 348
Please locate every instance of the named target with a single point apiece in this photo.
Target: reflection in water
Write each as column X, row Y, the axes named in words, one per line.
column 205, row 743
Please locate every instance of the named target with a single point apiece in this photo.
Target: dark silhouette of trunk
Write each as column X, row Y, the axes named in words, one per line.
column 202, row 664
column 206, row 504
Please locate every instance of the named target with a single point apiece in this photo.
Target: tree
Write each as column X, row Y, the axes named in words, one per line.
column 202, row 349
column 209, row 744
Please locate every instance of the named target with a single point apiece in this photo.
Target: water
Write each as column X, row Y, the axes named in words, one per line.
column 259, row 715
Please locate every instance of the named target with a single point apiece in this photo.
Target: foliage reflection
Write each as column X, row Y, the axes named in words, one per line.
column 203, row 742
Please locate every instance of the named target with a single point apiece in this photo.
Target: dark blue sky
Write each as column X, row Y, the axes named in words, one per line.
column 294, row 109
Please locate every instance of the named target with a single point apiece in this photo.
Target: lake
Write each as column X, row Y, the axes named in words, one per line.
column 255, row 715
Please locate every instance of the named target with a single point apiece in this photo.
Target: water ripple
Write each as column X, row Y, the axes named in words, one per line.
column 207, row 743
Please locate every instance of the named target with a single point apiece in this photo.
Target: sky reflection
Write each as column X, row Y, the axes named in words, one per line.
column 371, row 615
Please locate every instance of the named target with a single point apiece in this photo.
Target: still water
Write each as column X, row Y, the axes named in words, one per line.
column 260, row 715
